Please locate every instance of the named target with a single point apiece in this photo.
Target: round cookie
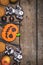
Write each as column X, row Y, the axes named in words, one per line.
column 2, row 47
column 9, row 32
column 2, row 11
column 4, row 2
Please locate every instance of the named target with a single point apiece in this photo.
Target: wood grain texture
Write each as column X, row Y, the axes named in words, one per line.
column 40, row 32
column 28, row 31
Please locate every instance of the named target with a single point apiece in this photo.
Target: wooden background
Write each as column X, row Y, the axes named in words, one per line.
column 28, row 31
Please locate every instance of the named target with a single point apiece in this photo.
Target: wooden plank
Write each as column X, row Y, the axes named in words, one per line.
column 28, row 31
column 40, row 32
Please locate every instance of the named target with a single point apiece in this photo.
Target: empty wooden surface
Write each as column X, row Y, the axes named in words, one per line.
column 28, row 31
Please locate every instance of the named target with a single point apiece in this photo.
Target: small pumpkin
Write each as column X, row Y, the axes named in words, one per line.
column 9, row 32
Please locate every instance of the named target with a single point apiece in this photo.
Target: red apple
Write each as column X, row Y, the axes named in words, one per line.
column 6, row 60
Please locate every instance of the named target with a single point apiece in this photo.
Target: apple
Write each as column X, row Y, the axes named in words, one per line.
column 6, row 60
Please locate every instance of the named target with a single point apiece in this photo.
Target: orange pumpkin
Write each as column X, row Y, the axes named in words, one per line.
column 9, row 32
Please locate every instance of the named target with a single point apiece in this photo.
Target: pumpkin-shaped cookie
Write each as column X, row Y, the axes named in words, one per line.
column 2, row 11
column 9, row 32
column 4, row 2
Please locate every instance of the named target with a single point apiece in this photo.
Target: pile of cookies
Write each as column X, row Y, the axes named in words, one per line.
column 6, row 2
column 10, row 29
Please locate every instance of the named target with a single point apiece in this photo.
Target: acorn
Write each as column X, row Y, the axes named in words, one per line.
column 11, row 18
column 4, row 19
